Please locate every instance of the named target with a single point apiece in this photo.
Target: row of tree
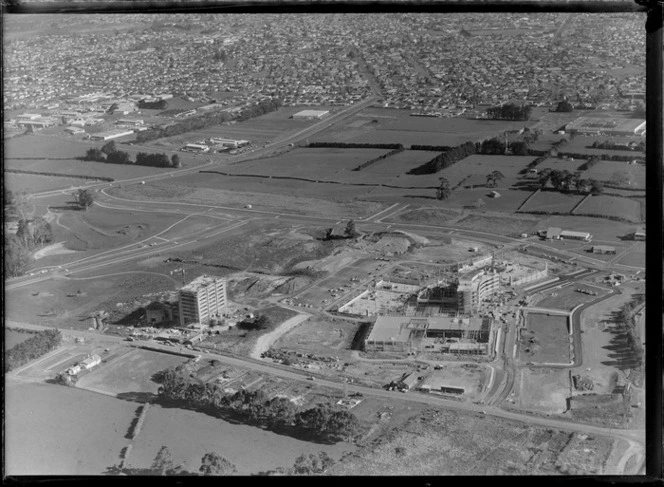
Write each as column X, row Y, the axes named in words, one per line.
column 355, row 145
column 379, row 158
column 109, row 153
column 628, row 324
column 446, row 159
column 30, row 235
column 34, row 347
column 434, row 148
column 254, row 407
column 608, row 145
column 495, row 146
column 510, row 111
column 209, row 119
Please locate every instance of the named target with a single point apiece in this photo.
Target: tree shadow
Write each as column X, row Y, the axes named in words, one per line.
column 140, row 397
column 420, row 196
column 132, row 318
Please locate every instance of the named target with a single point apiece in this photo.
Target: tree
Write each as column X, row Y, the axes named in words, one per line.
column 311, row 464
column 544, row 177
column 214, row 464
column 94, row 154
column 23, row 205
column 350, row 231
column 493, row 146
column 118, row 157
column 519, row 148
column 17, row 256
column 163, row 463
column 175, row 161
column 84, row 198
column 496, row 176
column 596, row 187
column 564, row 106
column 109, row 147
column 443, row 192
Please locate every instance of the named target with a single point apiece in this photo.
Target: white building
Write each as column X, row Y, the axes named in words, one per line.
column 91, row 361
column 310, row 114
column 111, row 135
column 195, row 148
column 202, row 300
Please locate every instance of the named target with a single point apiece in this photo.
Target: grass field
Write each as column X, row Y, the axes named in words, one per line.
column 310, row 163
column 618, row 174
column 473, row 170
column 32, row 183
column 130, row 373
column 552, row 201
column 57, row 430
column 546, row 340
column 627, row 208
column 190, row 435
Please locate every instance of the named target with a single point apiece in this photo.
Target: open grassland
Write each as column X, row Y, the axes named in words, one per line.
column 57, row 430
column 397, row 126
column 636, row 256
column 552, row 202
column 453, row 443
column 190, row 435
column 631, row 176
column 310, row 163
column 130, row 374
column 33, row 183
column 543, row 390
column 483, row 200
column 473, row 170
column 556, row 164
column 499, row 224
column 612, row 206
column 274, row 196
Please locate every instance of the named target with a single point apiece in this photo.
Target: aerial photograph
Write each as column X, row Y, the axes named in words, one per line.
column 199, row 280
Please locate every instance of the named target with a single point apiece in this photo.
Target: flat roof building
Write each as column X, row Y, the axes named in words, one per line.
column 603, row 249
column 202, row 300
column 568, row 234
column 474, row 288
column 310, row 114
column 403, row 333
column 607, row 126
column 111, row 135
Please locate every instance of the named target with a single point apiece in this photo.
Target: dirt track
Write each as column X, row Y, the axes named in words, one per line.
column 265, row 341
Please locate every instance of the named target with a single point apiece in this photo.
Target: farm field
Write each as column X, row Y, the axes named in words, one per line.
column 309, row 163
column 636, row 256
column 554, row 163
column 552, row 201
column 33, row 183
column 130, row 374
column 627, row 208
column 631, row 176
column 568, row 298
column 190, row 435
column 57, row 430
column 397, row 126
column 473, row 170
column 546, row 339
column 293, row 197
column 543, row 390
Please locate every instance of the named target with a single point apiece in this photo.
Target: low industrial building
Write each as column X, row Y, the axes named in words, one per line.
column 229, row 142
column 111, row 135
column 606, row 126
column 403, row 333
column 75, row 130
column 157, row 313
column 195, row 148
column 603, row 249
column 310, row 114
column 555, row 233
column 91, row 361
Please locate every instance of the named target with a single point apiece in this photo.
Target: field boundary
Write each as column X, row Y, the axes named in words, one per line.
column 59, row 175
column 571, row 212
column 527, row 199
column 295, row 178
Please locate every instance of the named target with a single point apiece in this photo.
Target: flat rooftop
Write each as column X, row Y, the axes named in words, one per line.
column 401, row 328
column 200, row 282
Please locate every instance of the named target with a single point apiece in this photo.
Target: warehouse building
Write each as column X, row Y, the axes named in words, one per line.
column 603, row 249
column 606, row 126
column 111, row 135
column 202, row 300
column 403, row 333
column 310, row 114
column 229, row 142
column 195, row 148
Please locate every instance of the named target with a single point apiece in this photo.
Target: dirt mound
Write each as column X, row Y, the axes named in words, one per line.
column 259, row 286
column 392, row 243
